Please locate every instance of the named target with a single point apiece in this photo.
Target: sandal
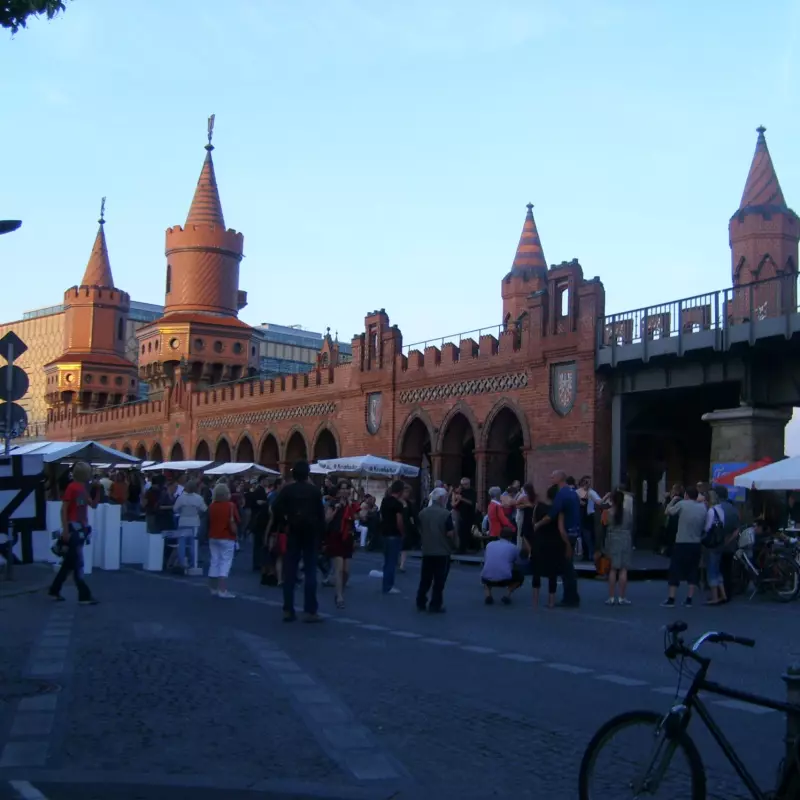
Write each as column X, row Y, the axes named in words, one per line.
column 340, row 602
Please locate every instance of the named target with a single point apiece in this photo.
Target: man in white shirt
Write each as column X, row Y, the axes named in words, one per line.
column 499, row 568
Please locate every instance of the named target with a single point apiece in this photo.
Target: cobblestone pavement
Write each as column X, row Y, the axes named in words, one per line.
column 162, row 689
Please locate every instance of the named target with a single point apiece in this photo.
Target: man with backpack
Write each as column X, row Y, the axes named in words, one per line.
column 299, row 506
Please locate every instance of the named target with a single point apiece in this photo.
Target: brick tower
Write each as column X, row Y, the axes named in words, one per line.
column 528, row 272
column 93, row 372
column 200, row 334
column 764, row 231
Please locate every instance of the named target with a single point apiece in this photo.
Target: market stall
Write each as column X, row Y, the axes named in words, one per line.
column 235, row 468
column 782, row 476
column 369, row 467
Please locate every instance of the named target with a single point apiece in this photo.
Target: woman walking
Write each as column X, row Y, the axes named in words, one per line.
column 339, row 542
column 619, row 548
column 547, row 547
column 713, row 548
column 223, row 521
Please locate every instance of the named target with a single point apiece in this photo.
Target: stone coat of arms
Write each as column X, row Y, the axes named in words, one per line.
column 374, row 411
column 563, row 387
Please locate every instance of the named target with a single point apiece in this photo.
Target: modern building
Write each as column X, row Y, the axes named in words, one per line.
column 290, row 349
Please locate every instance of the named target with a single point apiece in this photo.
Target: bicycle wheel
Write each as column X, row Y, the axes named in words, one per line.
column 644, row 764
column 740, row 577
column 782, row 576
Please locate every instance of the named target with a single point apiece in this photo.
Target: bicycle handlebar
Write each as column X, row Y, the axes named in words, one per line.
column 678, row 647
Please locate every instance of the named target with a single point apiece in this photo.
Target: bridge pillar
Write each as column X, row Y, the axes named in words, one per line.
column 746, row 434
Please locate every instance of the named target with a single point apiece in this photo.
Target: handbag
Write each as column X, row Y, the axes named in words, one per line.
column 602, row 564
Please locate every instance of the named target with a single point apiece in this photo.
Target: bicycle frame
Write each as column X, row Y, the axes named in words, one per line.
column 692, row 702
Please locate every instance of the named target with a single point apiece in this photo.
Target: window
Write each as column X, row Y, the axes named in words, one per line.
column 169, row 278
column 118, row 380
column 142, row 349
column 237, row 348
column 104, row 379
column 218, row 347
column 174, row 343
column 88, row 378
column 198, row 345
column 120, row 329
column 564, row 298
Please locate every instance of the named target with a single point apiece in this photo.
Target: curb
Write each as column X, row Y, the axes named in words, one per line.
column 30, row 588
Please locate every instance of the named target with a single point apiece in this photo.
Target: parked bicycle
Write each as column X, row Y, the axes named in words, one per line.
column 672, row 767
column 776, row 570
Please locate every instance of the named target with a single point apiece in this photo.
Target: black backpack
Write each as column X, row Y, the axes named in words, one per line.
column 715, row 536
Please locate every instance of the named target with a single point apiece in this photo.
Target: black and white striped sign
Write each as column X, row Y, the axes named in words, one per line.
column 22, row 490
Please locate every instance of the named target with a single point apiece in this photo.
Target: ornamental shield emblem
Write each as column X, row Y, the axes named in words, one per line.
column 374, row 411
column 563, row 387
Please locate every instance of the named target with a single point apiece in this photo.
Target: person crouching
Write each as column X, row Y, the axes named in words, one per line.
column 499, row 567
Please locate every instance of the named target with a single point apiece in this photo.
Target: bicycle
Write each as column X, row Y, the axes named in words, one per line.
column 666, row 735
column 774, row 571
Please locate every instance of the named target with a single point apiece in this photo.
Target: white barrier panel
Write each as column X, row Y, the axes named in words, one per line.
column 112, row 524
column 154, row 554
column 134, row 543
column 42, row 544
column 96, row 524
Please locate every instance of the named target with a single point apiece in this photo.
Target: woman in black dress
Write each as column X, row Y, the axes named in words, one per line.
column 547, row 551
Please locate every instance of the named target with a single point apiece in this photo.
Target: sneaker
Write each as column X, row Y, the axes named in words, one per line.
column 612, row 601
column 393, row 590
column 312, row 618
column 226, row 595
column 669, row 602
column 90, row 602
column 56, row 598
column 489, row 600
column 214, row 592
column 289, row 616
column 440, row 610
column 505, row 600
column 687, row 603
column 623, row 601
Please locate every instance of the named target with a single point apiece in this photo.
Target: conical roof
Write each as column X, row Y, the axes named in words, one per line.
column 529, row 253
column 98, row 270
column 762, row 187
column 206, row 208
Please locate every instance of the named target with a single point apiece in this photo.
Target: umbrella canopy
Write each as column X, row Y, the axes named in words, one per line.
column 178, row 466
column 316, row 469
column 372, row 466
column 728, row 478
column 780, row 476
column 73, row 451
column 234, row 468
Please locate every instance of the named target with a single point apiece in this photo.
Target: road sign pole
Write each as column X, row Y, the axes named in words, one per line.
column 9, row 388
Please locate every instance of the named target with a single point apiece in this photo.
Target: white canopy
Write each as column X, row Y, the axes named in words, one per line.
column 316, row 469
column 372, row 466
column 234, row 468
column 73, row 451
column 780, row 476
column 178, row 466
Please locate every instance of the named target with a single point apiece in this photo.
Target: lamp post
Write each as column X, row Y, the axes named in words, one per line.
column 9, row 225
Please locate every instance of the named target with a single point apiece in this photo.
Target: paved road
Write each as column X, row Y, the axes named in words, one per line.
column 163, row 689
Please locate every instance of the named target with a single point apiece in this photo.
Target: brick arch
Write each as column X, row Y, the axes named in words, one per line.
column 269, row 455
column 202, row 452
column 176, row 452
column 141, row 451
column 290, row 454
column 156, row 452
column 459, row 408
column 320, row 431
column 222, row 449
column 491, row 416
column 126, row 448
column 416, row 414
column 245, row 442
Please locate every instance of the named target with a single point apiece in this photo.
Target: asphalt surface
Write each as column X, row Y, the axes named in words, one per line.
column 165, row 691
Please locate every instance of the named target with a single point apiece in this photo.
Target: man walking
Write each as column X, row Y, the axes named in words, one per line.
column 392, row 530
column 438, row 542
column 299, row 505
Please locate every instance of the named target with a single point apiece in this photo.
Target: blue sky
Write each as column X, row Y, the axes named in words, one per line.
column 381, row 153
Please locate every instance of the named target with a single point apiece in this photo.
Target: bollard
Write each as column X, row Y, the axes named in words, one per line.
column 792, row 680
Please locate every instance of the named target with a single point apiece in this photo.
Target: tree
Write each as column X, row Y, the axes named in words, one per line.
column 14, row 13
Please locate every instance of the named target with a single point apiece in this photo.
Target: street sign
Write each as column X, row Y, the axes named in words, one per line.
column 13, row 344
column 18, row 381
column 12, row 415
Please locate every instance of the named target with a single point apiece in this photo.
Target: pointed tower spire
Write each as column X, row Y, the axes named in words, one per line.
column 529, row 253
column 98, row 270
column 762, row 187
column 206, row 208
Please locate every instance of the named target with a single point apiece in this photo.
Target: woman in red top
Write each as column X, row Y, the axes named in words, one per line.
column 223, row 521
column 339, row 541
column 74, row 531
column 498, row 519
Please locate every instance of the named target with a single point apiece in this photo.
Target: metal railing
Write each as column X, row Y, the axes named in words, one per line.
column 715, row 311
column 455, row 338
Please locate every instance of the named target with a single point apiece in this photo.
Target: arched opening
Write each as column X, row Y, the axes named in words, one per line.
column 201, row 452
column 223, row 452
column 505, row 460
column 141, row 452
column 458, row 451
column 155, row 453
column 176, row 454
column 296, row 449
column 270, row 454
column 415, row 449
column 126, row 448
column 325, row 446
column 244, row 451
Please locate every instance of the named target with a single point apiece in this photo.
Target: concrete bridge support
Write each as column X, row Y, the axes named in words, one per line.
column 746, row 434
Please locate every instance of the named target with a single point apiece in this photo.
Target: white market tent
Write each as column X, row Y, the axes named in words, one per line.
column 234, row 468
column 369, row 466
column 55, row 452
column 780, row 476
column 316, row 469
column 178, row 466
